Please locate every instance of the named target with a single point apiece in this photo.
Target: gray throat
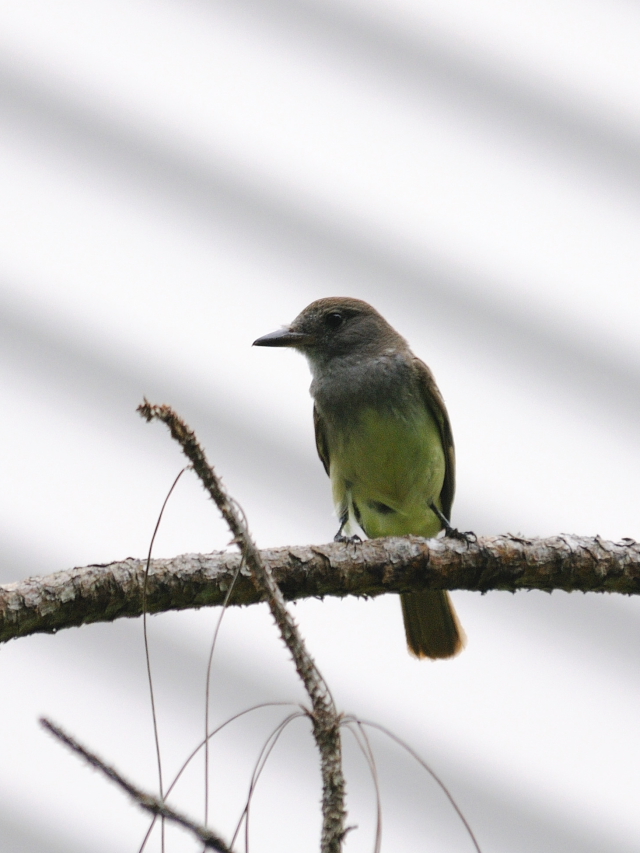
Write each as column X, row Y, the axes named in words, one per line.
column 346, row 384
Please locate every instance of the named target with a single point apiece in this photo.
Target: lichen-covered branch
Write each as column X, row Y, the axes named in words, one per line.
column 102, row 593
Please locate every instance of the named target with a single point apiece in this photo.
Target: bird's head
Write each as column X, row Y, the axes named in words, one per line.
column 336, row 326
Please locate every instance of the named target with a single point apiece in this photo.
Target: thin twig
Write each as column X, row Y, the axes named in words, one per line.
column 147, row 655
column 207, row 700
column 324, row 716
column 423, row 764
column 261, row 761
column 365, row 747
column 146, row 801
column 197, row 749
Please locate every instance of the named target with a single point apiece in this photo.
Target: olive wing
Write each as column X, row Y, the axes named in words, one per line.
column 433, row 399
column 322, row 445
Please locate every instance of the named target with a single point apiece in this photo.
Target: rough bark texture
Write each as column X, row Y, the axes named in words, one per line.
column 146, row 801
column 323, row 713
column 102, row 593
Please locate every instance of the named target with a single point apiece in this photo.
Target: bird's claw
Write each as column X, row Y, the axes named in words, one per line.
column 451, row 532
column 467, row 536
column 352, row 540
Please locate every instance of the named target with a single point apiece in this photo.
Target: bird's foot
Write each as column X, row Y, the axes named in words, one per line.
column 340, row 536
column 450, row 532
column 353, row 540
column 467, row 536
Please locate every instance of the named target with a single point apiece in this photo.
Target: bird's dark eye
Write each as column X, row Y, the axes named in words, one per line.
column 334, row 320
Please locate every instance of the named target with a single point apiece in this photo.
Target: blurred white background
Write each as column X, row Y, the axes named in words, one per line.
column 178, row 178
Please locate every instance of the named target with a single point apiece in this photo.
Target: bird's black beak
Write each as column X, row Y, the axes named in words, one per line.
column 282, row 338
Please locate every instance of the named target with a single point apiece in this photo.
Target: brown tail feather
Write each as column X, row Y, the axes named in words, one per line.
column 431, row 624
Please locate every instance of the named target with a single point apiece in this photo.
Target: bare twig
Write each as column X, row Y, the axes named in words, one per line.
column 145, row 634
column 360, row 736
column 195, row 751
column 259, row 766
column 423, row 764
column 104, row 592
column 207, row 697
column 146, row 801
column 324, row 716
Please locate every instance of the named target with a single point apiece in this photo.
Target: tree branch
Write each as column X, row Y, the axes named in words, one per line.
column 103, row 593
column 324, row 715
column 146, row 801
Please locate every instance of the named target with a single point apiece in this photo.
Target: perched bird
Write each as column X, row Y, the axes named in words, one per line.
column 384, row 438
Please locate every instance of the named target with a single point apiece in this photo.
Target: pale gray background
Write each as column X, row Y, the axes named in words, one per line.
column 177, row 178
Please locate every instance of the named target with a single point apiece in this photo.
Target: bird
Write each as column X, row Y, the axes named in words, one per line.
column 384, row 438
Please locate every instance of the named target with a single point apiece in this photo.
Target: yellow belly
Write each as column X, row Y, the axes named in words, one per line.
column 386, row 470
